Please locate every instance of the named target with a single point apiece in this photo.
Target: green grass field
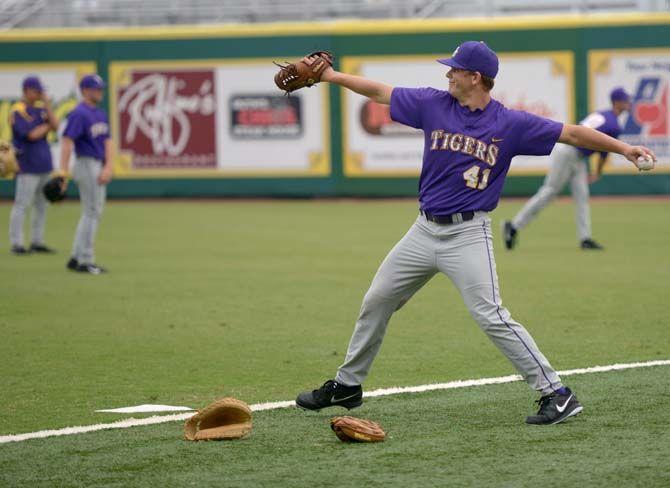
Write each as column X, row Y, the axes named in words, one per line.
column 257, row 299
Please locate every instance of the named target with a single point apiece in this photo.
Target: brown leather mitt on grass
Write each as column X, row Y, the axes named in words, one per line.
column 352, row 429
column 225, row 419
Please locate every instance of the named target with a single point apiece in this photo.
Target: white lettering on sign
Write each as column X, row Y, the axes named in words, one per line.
column 155, row 107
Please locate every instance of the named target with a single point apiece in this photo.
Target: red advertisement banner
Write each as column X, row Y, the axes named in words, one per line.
column 167, row 119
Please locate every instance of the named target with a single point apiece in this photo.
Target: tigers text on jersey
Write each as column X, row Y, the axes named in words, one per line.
column 87, row 126
column 467, row 153
column 33, row 156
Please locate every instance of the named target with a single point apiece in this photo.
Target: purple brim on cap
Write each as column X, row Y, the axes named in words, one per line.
column 451, row 62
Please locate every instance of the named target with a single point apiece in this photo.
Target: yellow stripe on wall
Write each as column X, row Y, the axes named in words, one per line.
column 345, row 27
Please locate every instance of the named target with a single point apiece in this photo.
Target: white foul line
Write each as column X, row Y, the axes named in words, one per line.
column 146, row 408
column 124, row 424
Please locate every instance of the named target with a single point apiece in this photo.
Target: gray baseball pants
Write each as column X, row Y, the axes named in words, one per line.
column 92, row 197
column 464, row 252
column 28, row 192
column 567, row 165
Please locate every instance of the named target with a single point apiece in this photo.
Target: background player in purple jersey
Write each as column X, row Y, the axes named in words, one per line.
column 87, row 131
column 31, row 120
column 469, row 140
column 571, row 164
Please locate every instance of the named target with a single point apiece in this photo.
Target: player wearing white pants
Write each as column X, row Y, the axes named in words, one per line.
column 31, row 120
column 28, row 193
column 469, row 141
column 569, row 164
column 463, row 252
column 86, row 172
column 87, row 132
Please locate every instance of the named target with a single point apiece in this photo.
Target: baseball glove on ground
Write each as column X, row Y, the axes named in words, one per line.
column 351, row 429
column 8, row 164
column 293, row 76
column 228, row 418
column 53, row 189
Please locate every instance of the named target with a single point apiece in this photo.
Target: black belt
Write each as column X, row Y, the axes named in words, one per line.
column 456, row 218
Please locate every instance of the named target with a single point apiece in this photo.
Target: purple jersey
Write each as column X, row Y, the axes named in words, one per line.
column 33, row 156
column 88, row 127
column 467, row 153
column 604, row 121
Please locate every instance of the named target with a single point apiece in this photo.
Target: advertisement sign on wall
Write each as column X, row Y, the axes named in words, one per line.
column 215, row 118
column 167, row 119
column 645, row 74
column 374, row 145
column 61, row 83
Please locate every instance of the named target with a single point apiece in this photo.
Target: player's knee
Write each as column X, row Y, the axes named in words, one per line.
column 548, row 192
column 372, row 299
column 20, row 207
column 92, row 213
column 485, row 312
column 380, row 297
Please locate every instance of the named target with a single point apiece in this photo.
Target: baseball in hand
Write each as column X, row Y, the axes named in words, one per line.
column 645, row 163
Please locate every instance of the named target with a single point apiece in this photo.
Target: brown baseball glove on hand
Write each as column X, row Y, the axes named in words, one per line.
column 8, row 164
column 306, row 72
column 228, row 418
column 351, row 429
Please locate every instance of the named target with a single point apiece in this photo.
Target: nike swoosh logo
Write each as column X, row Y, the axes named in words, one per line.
column 560, row 408
column 340, row 400
column 495, row 139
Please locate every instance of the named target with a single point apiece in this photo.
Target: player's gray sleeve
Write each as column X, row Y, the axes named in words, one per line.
column 92, row 196
column 464, row 252
column 28, row 192
column 594, row 120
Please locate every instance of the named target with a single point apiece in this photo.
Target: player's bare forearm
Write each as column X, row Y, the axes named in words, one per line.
column 66, row 145
column 39, row 132
column 51, row 117
column 109, row 154
column 581, row 136
column 106, row 174
column 374, row 90
column 53, row 120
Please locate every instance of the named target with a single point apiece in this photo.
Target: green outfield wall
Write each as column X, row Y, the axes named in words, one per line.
column 217, row 126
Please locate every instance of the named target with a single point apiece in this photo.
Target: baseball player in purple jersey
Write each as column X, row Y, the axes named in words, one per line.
column 570, row 164
column 469, row 140
column 31, row 120
column 87, row 131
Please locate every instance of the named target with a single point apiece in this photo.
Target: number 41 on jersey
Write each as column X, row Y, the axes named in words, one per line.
column 473, row 179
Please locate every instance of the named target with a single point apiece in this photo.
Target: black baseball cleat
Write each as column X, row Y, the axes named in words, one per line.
column 72, row 264
column 90, row 269
column 509, row 234
column 331, row 394
column 591, row 244
column 555, row 408
column 41, row 248
column 19, row 250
